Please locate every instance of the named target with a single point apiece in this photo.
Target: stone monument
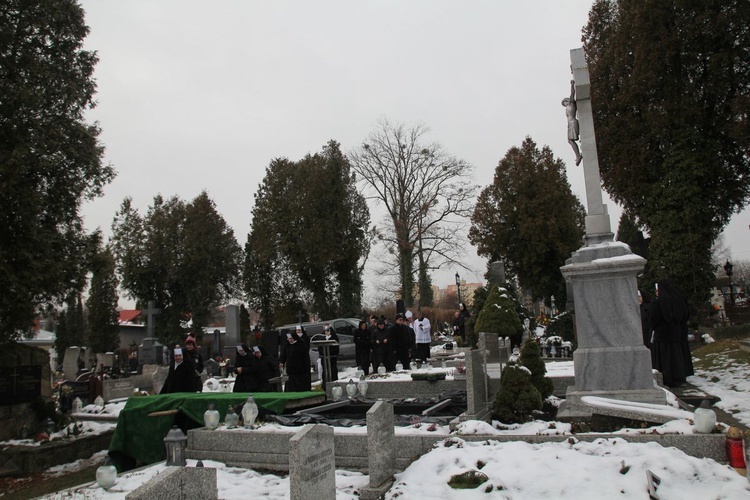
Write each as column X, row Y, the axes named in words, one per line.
column 611, row 360
column 233, row 336
column 381, row 450
column 150, row 351
column 312, row 468
column 70, row 362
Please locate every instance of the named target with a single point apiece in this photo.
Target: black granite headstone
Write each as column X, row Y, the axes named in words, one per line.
column 20, row 384
column 70, row 390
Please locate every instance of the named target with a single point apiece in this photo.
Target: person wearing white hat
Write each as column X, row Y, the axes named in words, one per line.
column 181, row 377
column 296, row 360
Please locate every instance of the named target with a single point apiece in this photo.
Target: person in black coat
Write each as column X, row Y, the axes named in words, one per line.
column 670, row 350
column 181, row 377
column 242, row 369
column 382, row 347
column 362, row 346
column 195, row 358
column 644, row 301
column 262, row 370
column 401, row 336
column 296, row 360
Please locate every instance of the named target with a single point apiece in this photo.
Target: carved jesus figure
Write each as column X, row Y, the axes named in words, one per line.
column 570, row 111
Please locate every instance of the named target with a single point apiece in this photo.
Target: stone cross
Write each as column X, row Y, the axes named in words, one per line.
column 150, row 312
column 598, row 227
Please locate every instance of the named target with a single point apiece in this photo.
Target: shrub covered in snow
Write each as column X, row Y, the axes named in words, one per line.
column 517, row 398
column 499, row 316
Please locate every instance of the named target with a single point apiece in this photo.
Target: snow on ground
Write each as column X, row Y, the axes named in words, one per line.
column 731, row 383
column 604, row 469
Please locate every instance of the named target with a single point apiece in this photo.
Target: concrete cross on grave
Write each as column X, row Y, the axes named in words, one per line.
column 150, row 312
column 598, row 227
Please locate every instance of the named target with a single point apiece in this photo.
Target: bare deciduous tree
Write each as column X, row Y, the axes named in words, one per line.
column 427, row 193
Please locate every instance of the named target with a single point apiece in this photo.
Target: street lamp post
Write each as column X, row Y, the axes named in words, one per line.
column 728, row 269
column 458, row 289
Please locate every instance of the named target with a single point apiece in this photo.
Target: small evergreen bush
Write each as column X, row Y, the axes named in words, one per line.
column 499, row 316
column 517, row 398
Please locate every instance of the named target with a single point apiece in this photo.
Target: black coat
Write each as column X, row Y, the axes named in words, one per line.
column 670, row 350
column 361, row 340
column 296, row 359
column 180, row 379
column 243, row 382
column 261, row 371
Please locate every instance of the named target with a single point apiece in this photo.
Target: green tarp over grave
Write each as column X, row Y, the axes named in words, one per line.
column 139, row 439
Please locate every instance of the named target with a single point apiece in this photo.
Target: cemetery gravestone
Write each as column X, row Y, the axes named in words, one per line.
column 150, row 351
column 179, row 483
column 20, row 384
column 70, row 362
column 70, row 390
column 381, row 450
column 233, row 336
column 477, row 407
column 118, row 388
column 158, row 378
column 312, row 468
column 106, row 360
column 497, row 273
column 489, row 346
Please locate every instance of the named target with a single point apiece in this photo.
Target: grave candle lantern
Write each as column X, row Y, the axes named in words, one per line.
column 249, row 412
column 231, row 419
column 106, row 474
column 734, row 448
column 211, row 417
column 704, row 418
column 362, row 386
column 351, row 388
column 337, row 392
column 175, row 443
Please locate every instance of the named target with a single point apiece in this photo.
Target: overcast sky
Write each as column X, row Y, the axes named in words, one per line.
column 197, row 95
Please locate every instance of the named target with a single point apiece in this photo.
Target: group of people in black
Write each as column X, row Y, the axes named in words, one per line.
column 253, row 369
column 379, row 343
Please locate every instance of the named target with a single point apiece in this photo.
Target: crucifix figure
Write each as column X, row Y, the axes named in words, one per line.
column 573, row 128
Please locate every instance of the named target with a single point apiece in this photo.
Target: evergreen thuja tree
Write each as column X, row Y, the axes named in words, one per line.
column 531, row 358
column 499, row 316
column 102, row 304
column 517, row 399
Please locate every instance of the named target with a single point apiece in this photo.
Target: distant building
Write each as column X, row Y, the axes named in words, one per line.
column 467, row 292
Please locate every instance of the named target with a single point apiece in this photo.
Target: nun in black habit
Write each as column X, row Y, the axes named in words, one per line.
column 670, row 349
column 296, row 360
